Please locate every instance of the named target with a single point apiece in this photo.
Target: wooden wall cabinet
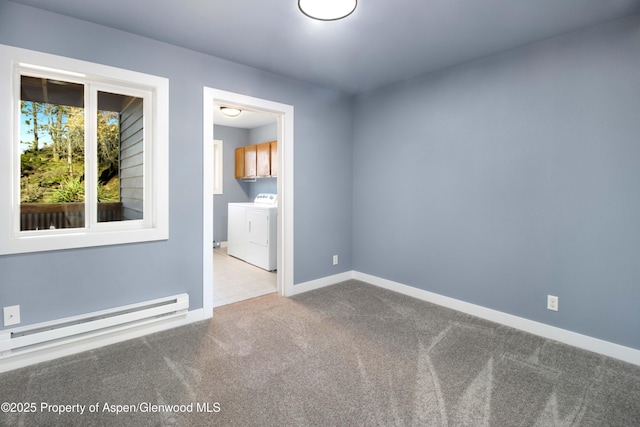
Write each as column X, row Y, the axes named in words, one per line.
column 250, row 156
column 240, row 163
column 274, row 158
column 263, row 159
column 257, row 161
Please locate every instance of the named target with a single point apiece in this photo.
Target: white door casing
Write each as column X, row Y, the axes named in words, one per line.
column 284, row 113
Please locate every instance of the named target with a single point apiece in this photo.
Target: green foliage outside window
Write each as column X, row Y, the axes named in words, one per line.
column 52, row 163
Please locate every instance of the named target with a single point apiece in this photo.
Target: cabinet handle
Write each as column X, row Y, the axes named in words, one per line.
column 249, row 225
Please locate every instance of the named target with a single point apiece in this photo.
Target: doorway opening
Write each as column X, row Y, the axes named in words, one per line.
column 281, row 117
column 244, row 205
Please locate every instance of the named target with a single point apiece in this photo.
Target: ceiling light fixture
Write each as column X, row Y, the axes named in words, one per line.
column 327, row 10
column 230, row 111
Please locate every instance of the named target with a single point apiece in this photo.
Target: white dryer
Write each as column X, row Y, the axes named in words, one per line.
column 252, row 231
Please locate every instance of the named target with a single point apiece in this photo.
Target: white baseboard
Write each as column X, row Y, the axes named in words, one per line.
column 20, row 360
column 606, row 348
column 321, row 283
column 585, row 342
column 574, row 339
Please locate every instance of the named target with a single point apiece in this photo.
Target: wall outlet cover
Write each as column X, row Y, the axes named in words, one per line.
column 11, row 315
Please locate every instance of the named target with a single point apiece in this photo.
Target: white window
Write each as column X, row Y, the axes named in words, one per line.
column 84, row 154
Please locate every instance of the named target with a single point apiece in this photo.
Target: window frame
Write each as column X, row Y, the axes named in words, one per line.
column 154, row 91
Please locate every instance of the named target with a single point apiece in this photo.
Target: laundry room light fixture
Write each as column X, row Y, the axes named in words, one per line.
column 230, row 111
column 327, row 10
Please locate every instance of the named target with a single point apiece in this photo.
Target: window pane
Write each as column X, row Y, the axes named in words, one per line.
column 51, row 154
column 120, row 157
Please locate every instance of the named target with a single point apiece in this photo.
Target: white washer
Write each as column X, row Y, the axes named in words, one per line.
column 252, row 231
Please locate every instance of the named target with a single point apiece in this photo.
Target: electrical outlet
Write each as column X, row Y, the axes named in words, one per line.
column 11, row 315
column 335, row 260
column 552, row 302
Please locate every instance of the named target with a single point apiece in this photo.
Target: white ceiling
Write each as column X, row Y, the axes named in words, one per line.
column 246, row 120
column 383, row 41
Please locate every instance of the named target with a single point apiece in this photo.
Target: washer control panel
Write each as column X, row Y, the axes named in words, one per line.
column 266, row 199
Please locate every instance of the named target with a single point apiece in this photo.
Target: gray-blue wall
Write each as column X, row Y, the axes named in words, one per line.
column 264, row 133
column 503, row 180
column 58, row 284
column 233, row 190
column 495, row 182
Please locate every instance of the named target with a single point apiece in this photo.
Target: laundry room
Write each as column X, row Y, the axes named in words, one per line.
column 245, row 204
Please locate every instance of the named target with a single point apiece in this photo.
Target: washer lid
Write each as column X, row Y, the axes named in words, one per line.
column 268, row 199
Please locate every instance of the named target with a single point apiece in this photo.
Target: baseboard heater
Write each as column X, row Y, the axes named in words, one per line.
column 70, row 329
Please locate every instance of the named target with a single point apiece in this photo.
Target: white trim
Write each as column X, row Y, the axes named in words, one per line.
column 606, row 348
column 595, row 345
column 20, row 360
column 207, row 213
column 322, row 282
column 155, row 92
column 284, row 113
column 285, row 200
column 218, row 166
column 574, row 339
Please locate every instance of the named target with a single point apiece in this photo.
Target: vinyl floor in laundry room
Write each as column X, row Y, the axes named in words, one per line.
column 235, row 280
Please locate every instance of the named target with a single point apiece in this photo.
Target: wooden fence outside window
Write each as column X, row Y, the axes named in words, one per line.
column 44, row 216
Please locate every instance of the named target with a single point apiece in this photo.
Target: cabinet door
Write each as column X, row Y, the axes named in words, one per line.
column 263, row 159
column 250, row 153
column 240, row 162
column 274, row 158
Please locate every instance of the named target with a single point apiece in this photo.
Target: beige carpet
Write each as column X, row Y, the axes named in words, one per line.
column 346, row 355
